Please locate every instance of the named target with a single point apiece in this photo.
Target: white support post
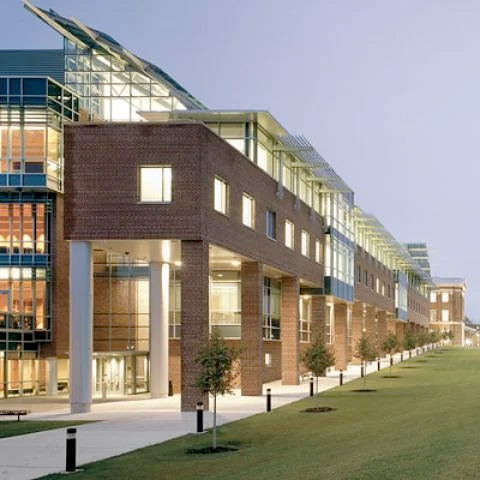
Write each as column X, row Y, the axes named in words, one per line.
column 52, row 382
column 81, row 326
column 159, row 297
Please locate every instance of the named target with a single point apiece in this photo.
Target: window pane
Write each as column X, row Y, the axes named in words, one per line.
column 155, row 184
column 220, row 193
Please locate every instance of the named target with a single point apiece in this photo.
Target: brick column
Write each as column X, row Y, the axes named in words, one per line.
column 251, row 362
column 290, row 337
column 358, row 324
column 391, row 325
column 371, row 326
column 195, row 317
column 318, row 317
column 382, row 329
column 400, row 332
column 341, row 353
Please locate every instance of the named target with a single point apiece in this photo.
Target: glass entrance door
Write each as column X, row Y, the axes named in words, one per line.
column 109, row 374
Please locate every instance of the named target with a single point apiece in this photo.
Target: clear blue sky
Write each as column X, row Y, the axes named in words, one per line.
column 387, row 91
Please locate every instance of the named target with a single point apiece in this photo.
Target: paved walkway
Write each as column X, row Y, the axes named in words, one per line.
column 131, row 424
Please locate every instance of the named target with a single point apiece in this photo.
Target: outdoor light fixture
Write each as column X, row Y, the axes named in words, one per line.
column 236, row 263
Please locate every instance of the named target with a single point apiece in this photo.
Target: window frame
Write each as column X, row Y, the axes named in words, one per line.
column 162, row 167
column 305, row 242
column 246, row 196
column 227, row 195
column 291, row 237
column 273, row 213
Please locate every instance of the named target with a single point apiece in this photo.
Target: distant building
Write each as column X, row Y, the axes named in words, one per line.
column 447, row 306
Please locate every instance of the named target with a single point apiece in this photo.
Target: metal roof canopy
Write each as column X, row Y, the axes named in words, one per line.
column 87, row 37
column 305, row 154
column 374, row 225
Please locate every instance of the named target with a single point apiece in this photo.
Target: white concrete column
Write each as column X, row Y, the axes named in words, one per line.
column 81, row 326
column 52, row 382
column 159, row 286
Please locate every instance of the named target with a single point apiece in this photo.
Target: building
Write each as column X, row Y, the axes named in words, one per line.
column 447, row 307
column 135, row 221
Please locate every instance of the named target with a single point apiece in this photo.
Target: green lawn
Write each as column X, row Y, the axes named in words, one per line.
column 11, row 428
column 423, row 425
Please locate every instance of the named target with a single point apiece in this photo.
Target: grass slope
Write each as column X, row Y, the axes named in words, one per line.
column 423, row 425
column 12, row 428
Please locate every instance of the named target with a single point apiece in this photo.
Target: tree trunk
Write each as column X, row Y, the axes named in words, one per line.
column 391, row 363
column 214, row 422
column 364, row 375
column 317, row 384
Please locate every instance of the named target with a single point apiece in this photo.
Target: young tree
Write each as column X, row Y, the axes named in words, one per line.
column 318, row 357
column 366, row 353
column 409, row 342
column 390, row 346
column 435, row 337
column 450, row 335
column 447, row 335
column 217, row 375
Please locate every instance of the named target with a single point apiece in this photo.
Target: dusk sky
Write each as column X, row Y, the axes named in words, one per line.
column 388, row 91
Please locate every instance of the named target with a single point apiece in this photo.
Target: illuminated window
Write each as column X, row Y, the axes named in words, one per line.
column 268, row 359
column 156, row 184
column 305, row 243
column 289, row 234
column 318, row 251
column 445, row 297
column 305, row 317
column 220, row 194
column 445, row 315
column 248, row 211
column 433, row 297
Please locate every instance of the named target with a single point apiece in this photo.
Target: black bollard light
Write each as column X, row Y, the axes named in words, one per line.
column 71, row 451
column 311, row 386
column 378, row 364
column 199, row 417
column 269, row 399
column 341, row 377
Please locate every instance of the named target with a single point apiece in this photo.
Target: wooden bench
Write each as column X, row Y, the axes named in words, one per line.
column 16, row 413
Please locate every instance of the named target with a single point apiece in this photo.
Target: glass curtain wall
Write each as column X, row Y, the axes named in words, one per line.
column 226, row 303
column 110, row 90
column 32, row 113
column 121, row 324
column 24, row 319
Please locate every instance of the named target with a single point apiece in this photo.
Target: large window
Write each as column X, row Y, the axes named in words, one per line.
column 445, row 315
column 433, row 316
column 23, row 229
column 220, row 195
column 305, row 243
column 174, row 305
column 433, row 297
column 271, row 224
column 271, row 309
column 329, row 324
column 445, row 297
column 156, row 184
column 226, row 304
column 248, row 211
column 289, row 234
column 305, row 316
column 23, row 299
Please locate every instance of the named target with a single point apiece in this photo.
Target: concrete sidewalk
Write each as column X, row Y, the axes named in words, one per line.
column 132, row 424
